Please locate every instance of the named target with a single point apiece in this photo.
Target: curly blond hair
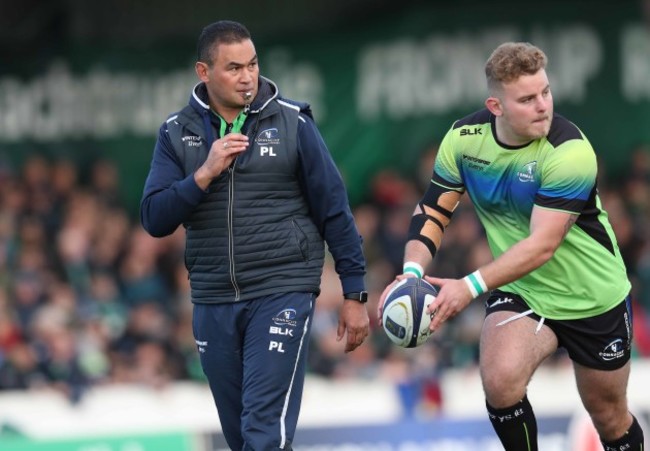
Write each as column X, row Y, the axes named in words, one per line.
column 510, row 61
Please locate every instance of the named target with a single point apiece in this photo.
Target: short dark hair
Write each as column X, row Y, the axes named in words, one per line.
column 221, row 32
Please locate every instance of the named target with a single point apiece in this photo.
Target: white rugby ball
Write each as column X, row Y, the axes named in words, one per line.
column 404, row 318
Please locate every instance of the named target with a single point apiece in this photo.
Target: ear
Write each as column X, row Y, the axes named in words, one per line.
column 494, row 105
column 202, row 71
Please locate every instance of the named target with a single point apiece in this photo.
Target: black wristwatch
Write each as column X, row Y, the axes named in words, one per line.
column 361, row 296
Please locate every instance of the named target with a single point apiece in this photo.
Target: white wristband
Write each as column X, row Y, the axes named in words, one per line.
column 413, row 268
column 475, row 283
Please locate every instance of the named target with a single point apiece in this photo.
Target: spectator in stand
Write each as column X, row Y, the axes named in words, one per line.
column 38, row 274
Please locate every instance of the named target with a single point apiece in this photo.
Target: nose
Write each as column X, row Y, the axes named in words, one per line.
column 247, row 75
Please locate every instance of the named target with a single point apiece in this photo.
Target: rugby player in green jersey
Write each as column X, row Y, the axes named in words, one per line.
column 557, row 278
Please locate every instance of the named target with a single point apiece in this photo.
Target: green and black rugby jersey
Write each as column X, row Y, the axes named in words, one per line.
column 586, row 276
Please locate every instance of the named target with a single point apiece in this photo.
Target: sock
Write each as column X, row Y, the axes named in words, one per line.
column 516, row 426
column 632, row 440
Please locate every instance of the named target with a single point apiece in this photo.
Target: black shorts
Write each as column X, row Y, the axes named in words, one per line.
column 601, row 342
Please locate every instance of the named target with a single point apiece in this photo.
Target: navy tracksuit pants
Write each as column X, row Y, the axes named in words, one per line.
column 254, row 356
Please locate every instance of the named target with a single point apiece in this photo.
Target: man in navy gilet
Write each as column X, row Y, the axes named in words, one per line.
column 246, row 172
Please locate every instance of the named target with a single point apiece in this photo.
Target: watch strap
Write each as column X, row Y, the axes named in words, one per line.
column 361, row 296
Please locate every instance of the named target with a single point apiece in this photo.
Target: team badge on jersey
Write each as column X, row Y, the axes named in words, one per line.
column 527, row 173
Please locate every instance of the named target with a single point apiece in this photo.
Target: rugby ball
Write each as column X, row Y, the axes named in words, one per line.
column 404, row 317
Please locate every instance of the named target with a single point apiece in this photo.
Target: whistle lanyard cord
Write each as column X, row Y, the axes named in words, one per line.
column 236, row 125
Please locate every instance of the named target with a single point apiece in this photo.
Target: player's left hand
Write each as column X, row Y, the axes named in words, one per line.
column 453, row 297
column 353, row 318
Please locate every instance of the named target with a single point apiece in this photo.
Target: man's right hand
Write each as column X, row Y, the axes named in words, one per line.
column 222, row 153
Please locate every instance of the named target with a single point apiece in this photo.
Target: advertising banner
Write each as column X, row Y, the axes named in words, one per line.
column 383, row 93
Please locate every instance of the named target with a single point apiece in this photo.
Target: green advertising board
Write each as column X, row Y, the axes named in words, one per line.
column 383, row 92
column 160, row 442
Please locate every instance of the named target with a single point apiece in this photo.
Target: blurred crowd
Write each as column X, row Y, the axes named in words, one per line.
column 88, row 298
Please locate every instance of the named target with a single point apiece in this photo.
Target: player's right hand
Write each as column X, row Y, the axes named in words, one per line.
column 382, row 298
